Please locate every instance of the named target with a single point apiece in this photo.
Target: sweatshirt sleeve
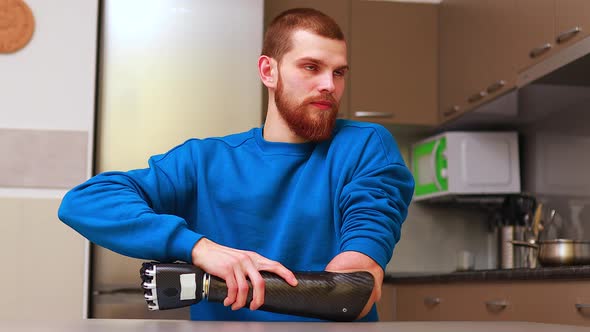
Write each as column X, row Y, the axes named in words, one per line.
column 374, row 203
column 135, row 213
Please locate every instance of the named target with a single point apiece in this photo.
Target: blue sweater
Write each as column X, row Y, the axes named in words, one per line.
column 299, row 204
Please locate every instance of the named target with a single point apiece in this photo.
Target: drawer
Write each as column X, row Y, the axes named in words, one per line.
column 558, row 302
column 454, row 302
column 564, row 302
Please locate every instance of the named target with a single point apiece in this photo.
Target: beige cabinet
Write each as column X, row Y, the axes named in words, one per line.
column 394, row 61
column 535, row 29
column 572, row 20
column 476, row 53
column 485, row 44
column 454, row 53
column 547, row 26
column 339, row 10
column 386, row 305
column 557, row 302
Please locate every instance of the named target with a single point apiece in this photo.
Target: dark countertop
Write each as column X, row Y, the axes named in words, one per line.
column 545, row 273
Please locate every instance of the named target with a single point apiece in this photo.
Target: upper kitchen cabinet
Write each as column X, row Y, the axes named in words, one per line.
column 476, row 53
column 544, row 27
column 535, row 31
column 339, row 10
column 394, row 62
column 572, row 20
column 454, row 53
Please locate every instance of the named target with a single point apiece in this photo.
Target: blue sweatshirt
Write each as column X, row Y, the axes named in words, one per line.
column 298, row 204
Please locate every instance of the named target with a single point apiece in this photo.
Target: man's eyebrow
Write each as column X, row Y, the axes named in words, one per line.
column 320, row 62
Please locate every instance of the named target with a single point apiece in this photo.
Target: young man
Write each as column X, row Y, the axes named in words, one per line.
column 304, row 192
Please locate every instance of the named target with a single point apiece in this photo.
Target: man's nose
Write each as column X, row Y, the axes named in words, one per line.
column 326, row 83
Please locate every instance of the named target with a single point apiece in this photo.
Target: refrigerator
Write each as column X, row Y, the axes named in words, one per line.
column 168, row 70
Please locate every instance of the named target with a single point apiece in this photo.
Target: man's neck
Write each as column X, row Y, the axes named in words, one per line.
column 277, row 130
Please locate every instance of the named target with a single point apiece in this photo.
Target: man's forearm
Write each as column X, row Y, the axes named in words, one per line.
column 355, row 261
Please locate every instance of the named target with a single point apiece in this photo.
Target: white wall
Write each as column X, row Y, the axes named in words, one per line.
column 46, row 124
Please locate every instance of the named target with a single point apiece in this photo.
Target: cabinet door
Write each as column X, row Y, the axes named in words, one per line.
column 386, row 306
column 572, row 21
column 339, row 10
column 535, row 31
column 477, row 53
column 394, row 59
column 490, row 69
column 454, row 54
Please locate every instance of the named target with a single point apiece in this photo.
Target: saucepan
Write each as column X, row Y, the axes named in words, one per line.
column 559, row 252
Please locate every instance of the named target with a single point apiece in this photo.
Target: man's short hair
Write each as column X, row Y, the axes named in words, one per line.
column 277, row 39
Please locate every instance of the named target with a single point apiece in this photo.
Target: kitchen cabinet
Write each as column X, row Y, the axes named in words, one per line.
column 454, row 53
column 547, row 26
column 546, row 301
column 339, row 10
column 572, row 20
column 386, row 305
column 484, row 45
column 394, row 61
column 476, row 53
column 534, row 30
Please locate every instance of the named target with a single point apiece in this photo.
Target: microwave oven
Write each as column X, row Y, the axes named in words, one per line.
column 465, row 163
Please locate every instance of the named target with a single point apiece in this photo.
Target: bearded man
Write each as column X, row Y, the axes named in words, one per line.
column 305, row 192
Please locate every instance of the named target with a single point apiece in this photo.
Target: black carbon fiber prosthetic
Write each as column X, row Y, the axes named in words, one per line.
column 323, row 295
column 168, row 283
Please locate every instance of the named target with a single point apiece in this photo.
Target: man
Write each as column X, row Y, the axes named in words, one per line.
column 304, row 192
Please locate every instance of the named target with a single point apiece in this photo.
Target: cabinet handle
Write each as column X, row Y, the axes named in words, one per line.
column 567, row 35
column 451, row 111
column 582, row 306
column 477, row 96
column 496, row 86
column 540, row 50
column 497, row 305
column 373, row 114
column 432, row 301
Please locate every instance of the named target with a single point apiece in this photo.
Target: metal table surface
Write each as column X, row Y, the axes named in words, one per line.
column 130, row 325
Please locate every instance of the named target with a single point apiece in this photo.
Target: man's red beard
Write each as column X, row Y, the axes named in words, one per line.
column 306, row 120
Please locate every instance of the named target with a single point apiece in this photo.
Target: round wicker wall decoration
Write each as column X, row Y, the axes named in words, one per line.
column 16, row 25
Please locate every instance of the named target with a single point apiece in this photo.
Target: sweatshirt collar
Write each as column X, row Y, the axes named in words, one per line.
column 281, row 147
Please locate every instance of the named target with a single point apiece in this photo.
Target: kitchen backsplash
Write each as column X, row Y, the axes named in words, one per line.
column 555, row 159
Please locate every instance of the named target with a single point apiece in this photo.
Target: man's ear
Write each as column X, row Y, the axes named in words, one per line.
column 268, row 71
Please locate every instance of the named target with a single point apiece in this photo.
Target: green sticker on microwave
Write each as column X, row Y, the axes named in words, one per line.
column 428, row 163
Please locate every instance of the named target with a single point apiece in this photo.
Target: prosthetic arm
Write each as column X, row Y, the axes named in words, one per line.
column 323, row 295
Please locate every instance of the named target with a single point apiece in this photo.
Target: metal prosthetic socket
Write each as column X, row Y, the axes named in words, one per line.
column 324, row 295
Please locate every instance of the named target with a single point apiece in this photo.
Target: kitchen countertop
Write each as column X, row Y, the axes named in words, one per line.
column 546, row 273
column 130, row 325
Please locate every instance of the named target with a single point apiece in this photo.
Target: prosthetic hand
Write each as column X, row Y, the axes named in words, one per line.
column 323, row 295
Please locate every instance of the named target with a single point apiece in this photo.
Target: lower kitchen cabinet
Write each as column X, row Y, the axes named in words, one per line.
column 548, row 301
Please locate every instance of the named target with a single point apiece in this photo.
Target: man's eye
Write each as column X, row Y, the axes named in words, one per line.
column 310, row 67
column 339, row 73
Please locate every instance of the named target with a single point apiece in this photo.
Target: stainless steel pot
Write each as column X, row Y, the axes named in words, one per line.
column 558, row 252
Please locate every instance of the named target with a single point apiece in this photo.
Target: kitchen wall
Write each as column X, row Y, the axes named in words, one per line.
column 556, row 159
column 46, row 131
column 434, row 234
